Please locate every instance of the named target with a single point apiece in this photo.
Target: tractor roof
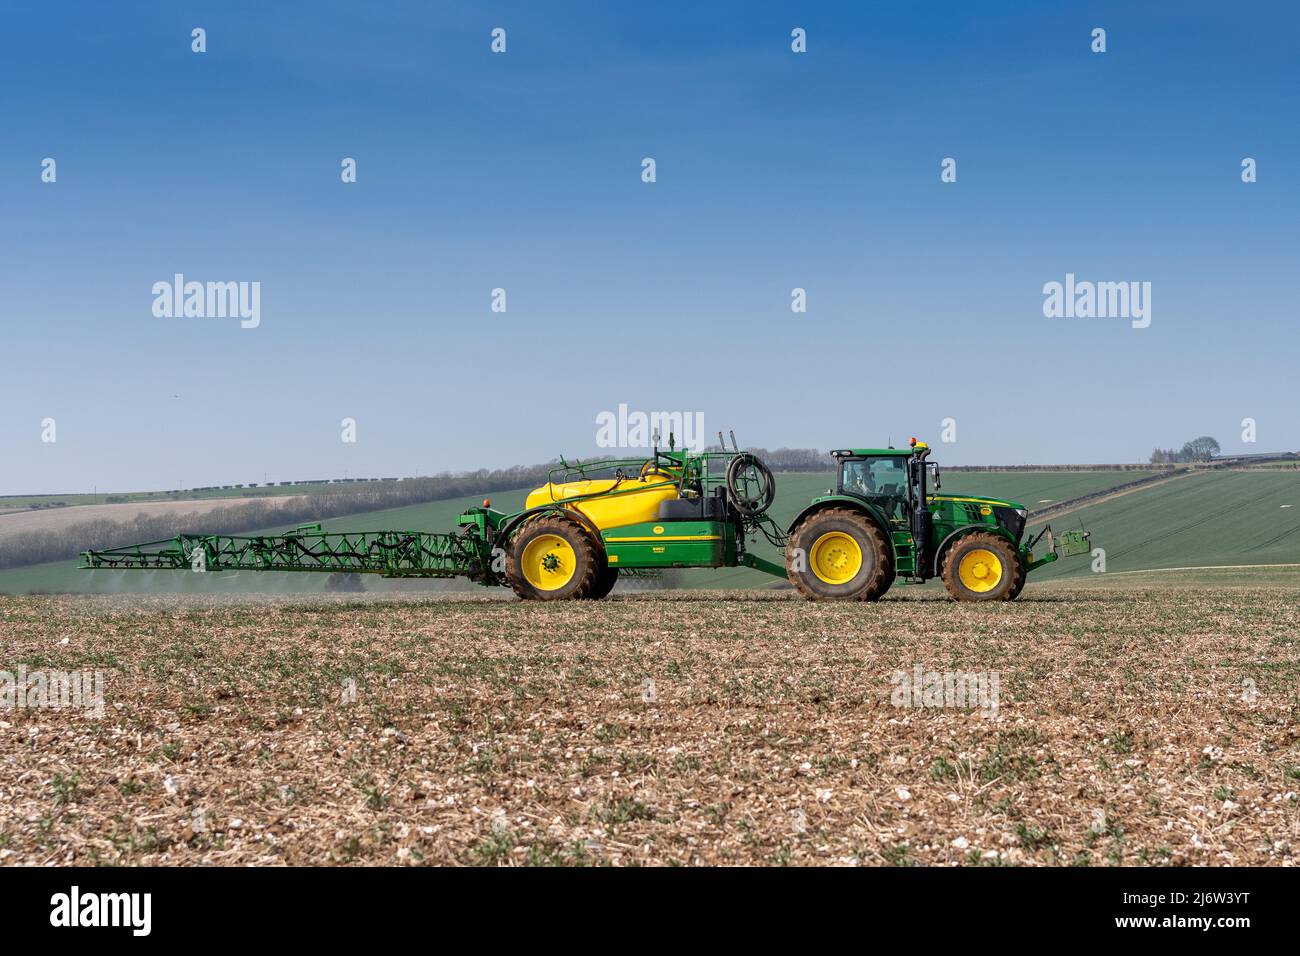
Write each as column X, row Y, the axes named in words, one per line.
column 869, row 452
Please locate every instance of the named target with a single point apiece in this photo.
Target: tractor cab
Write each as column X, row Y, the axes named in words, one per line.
column 887, row 477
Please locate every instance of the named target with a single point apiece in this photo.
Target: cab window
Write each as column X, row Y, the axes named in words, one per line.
column 873, row 477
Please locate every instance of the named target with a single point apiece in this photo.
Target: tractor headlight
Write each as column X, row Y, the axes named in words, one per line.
column 1023, row 512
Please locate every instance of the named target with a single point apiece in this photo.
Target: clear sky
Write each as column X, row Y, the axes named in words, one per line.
column 523, row 171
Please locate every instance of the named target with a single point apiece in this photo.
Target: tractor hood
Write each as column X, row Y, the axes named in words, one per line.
column 980, row 499
column 1010, row 516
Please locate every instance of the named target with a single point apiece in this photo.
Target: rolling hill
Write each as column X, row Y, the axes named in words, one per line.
column 1205, row 519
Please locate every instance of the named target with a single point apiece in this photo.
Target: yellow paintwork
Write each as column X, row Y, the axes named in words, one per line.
column 548, row 562
column 835, row 557
column 625, row 506
column 980, row 570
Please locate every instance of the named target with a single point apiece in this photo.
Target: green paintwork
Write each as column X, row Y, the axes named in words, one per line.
column 394, row 554
column 750, row 560
column 671, row 544
column 904, row 553
column 1031, row 562
column 1070, row 543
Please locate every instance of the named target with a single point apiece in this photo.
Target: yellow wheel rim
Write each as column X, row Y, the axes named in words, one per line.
column 835, row 558
column 549, row 562
column 980, row 570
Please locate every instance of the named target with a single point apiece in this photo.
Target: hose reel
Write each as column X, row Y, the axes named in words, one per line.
column 750, row 485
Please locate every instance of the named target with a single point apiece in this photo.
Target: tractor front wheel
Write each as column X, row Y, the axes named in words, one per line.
column 839, row 555
column 983, row 567
column 552, row 558
column 1019, row 585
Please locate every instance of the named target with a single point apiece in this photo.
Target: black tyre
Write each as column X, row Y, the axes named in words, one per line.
column 845, row 557
column 605, row 582
column 983, row 567
column 1019, row 584
column 553, row 558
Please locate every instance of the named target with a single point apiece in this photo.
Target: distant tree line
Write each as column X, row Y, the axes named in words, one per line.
column 1204, row 448
column 795, row 459
column 1139, row 466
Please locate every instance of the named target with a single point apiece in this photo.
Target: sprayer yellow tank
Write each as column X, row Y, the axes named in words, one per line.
column 626, row 506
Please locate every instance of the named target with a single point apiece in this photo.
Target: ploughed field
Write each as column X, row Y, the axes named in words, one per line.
column 1131, row 726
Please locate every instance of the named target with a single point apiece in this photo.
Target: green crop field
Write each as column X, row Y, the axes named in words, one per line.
column 1216, row 518
column 1210, row 519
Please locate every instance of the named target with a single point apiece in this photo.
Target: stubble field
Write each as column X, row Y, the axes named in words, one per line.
column 1135, row 726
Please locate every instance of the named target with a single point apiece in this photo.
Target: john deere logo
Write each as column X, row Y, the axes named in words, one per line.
column 658, row 529
column 986, row 510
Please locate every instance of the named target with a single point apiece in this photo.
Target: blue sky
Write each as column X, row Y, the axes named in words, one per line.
column 775, row 170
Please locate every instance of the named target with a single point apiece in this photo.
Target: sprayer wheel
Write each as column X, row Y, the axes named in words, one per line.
column 605, row 581
column 553, row 558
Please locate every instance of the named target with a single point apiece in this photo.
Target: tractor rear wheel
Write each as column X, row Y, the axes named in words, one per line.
column 552, row 558
column 839, row 555
column 605, row 581
column 983, row 567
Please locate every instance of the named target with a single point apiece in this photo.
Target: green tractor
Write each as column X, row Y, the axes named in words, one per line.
column 592, row 522
column 882, row 523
